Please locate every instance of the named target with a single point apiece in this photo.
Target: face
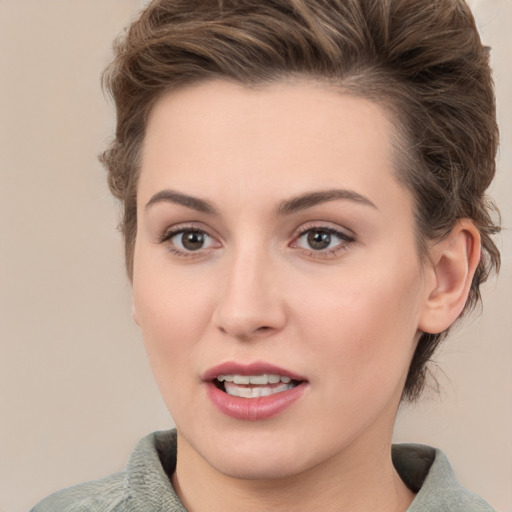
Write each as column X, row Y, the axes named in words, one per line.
column 276, row 278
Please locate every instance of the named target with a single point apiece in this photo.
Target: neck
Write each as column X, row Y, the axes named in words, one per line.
column 360, row 479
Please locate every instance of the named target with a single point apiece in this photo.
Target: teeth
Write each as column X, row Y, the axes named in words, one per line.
column 257, row 380
column 256, row 392
column 255, row 386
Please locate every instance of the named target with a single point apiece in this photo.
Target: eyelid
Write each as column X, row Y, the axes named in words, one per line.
column 174, row 229
column 343, row 231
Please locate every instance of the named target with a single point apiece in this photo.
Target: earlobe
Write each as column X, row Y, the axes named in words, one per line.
column 453, row 262
column 134, row 314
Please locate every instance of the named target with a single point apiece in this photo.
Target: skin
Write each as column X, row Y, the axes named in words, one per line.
column 347, row 317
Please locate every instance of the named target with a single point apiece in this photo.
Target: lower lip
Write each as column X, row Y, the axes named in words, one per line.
column 254, row 409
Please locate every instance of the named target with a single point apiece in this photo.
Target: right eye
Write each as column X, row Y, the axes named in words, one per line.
column 184, row 241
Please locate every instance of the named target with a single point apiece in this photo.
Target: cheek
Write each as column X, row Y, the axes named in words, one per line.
column 172, row 313
column 169, row 302
column 366, row 321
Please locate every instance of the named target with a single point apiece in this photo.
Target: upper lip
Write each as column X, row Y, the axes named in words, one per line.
column 256, row 368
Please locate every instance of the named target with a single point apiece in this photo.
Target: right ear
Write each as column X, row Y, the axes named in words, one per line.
column 454, row 262
column 134, row 313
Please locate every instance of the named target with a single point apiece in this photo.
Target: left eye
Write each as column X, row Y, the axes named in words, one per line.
column 191, row 240
column 321, row 239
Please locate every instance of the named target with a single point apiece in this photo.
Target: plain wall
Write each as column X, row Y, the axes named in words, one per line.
column 76, row 392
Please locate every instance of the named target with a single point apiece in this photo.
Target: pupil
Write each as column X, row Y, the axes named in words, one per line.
column 319, row 239
column 192, row 240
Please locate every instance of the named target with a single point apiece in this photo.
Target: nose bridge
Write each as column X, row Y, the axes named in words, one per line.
column 250, row 302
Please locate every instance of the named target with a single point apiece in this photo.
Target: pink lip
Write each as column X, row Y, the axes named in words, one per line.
column 252, row 409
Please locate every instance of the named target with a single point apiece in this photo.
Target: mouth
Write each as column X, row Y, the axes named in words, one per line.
column 254, row 386
column 256, row 391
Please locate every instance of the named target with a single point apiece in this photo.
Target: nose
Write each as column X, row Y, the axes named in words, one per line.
column 251, row 300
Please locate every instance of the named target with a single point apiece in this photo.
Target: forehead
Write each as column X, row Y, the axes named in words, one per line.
column 287, row 136
column 296, row 108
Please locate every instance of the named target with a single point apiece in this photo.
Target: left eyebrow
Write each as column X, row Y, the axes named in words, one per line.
column 311, row 199
column 194, row 203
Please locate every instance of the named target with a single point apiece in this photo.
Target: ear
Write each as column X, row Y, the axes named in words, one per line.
column 453, row 262
column 134, row 313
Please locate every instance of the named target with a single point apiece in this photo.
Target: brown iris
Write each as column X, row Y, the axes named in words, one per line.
column 193, row 240
column 319, row 240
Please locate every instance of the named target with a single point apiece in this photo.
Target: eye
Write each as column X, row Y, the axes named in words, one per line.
column 319, row 240
column 187, row 240
column 322, row 239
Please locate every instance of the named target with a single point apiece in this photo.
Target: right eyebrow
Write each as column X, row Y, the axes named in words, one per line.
column 310, row 199
column 171, row 196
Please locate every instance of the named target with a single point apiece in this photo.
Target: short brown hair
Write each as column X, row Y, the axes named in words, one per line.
column 422, row 61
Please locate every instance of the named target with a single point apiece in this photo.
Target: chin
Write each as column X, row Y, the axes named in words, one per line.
column 260, row 456
column 257, row 468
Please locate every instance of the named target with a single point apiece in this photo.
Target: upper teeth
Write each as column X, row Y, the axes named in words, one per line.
column 254, row 379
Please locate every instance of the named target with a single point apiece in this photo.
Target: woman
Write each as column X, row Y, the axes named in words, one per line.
column 303, row 184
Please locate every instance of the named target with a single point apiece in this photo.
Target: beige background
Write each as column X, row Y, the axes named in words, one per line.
column 75, row 389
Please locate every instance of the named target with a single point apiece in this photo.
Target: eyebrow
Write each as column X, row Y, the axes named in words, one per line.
column 311, row 199
column 302, row 202
column 170, row 196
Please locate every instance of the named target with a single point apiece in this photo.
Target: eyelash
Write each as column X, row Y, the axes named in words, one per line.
column 345, row 241
column 167, row 236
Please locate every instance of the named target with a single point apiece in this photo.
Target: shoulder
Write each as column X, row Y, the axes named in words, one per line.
column 104, row 495
column 143, row 485
column 427, row 471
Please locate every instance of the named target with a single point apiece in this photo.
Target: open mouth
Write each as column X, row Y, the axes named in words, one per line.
column 254, row 386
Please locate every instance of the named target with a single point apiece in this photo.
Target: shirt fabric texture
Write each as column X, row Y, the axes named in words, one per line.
column 145, row 486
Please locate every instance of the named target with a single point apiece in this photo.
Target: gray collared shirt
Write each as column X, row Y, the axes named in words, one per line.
column 144, row 486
